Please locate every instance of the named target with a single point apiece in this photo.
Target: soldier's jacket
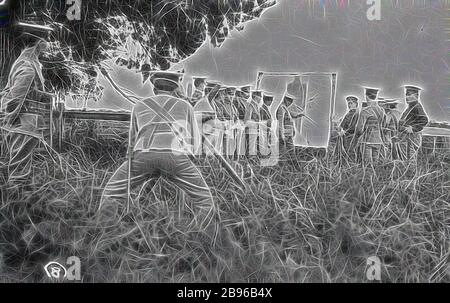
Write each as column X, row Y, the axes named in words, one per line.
column 369, row 126
column 349, row 122
column 415, row 117
column 390, row 125
column 150, row 132
column 24, row 101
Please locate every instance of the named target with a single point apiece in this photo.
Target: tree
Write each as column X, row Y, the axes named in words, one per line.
column 141, row 35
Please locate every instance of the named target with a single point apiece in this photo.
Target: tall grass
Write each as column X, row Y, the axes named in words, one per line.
column 308, row 220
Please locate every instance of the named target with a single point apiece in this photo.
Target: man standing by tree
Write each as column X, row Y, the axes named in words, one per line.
column 24, row 103
column 162, row 134
column 411, row 124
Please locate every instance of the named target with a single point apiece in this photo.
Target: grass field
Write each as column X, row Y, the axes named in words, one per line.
column 308, row 221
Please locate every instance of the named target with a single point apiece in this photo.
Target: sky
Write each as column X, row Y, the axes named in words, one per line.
column 407, row 46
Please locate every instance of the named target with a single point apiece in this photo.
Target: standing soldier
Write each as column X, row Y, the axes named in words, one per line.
column 214, row 99
column 390, row 126
column 161, row 141
column 240, row 104
column 231, row 118
column 369, row 129
column 265, row 135
column 348, row 125
column 412, row 122
column 24, row 104
column 286, row 113
column 252, row 119
column 205, row 116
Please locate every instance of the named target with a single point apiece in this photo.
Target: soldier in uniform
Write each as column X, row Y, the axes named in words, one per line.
column 205, row 116
column 265, row 135
column 240, row 104
column 231, row 118
column 162, row 131
column 390, row 126
column 286, row 113
column 348, row 124
column 24, row 104
column 412, row 122
column 252, row 119
column 369, row 129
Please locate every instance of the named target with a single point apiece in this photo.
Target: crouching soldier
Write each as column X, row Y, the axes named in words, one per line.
column 161, row 137
column 412, row 122
column 24, row 104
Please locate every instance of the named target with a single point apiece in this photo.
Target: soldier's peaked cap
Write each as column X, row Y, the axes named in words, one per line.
column 267, row 97
column 412, row 88
column 371, row 92
column 351, row 98
column 212, row 84
column 246, row 88
column 199, row 78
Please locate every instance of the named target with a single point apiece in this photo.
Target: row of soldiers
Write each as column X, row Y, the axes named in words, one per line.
column 377, row 129
column 240, row 121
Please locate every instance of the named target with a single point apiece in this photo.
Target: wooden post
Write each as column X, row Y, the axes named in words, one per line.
column 334, row 78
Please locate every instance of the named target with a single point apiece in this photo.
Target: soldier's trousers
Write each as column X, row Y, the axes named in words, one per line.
column 176, row 168
column 409, row 146
column 21, row 148
column 372, row 152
